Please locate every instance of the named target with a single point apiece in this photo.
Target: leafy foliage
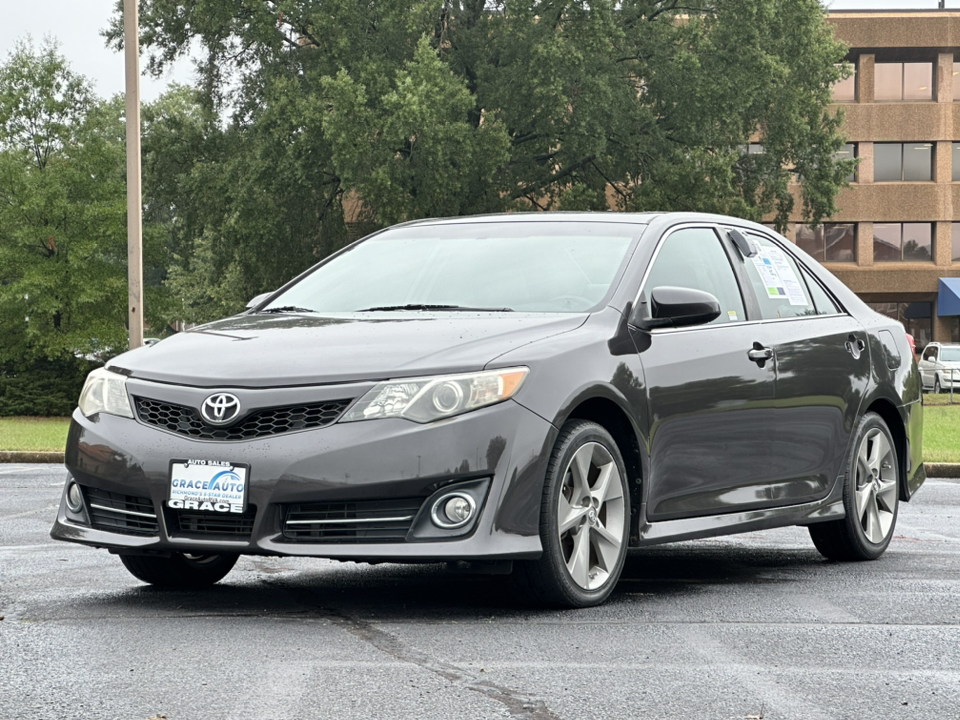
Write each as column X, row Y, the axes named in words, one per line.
column 62, row 213
column 41, row 386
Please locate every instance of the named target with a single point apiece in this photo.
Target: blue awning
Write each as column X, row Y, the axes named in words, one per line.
column 948, row 297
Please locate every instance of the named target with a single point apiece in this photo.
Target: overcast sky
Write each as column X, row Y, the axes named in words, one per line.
column 76, row 24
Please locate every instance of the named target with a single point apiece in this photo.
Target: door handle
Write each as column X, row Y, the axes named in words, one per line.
column 854, row 346
column 760, row 354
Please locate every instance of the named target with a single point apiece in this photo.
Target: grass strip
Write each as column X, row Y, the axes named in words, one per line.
column 34, row 433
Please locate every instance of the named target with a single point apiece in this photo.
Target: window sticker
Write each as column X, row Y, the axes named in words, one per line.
column 778, row 277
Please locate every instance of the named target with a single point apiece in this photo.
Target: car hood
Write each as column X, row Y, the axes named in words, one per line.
column 260, row 350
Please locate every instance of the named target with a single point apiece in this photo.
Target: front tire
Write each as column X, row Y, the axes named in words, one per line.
column 937, row 388
column 871, row 495
column 584, row 521
column 179, row 570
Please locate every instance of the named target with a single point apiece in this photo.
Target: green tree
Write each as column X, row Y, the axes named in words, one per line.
column 62, row 212
column 396, row 109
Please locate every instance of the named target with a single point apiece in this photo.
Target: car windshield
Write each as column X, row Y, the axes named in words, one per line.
column 950, row 354
column 490, row 266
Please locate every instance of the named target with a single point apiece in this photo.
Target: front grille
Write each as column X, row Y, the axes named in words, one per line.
column 118, row 513
column 363, row 521
column 196, row 523
column 271, row 421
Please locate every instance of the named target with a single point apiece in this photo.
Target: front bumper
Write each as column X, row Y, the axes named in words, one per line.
column 499, row 453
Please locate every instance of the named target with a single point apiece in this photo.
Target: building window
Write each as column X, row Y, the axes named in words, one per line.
column 830, row 242
column 955, row 238
column 903, row 81
column 902, row 242
column 917, row 318
column 846, row 90
column 849, row 152
column 751, row 149
column 956, row 162
column 907, row 162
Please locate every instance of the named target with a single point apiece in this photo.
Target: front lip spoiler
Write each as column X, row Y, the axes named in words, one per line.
column 470, row 548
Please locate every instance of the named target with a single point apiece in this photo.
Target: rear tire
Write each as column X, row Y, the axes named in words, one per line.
column 871, row 495
column 584, row 521
column 179, row 570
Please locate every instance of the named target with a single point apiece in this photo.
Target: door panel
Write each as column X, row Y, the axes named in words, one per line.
column 712, row 424
column 822, row 374
column 823, row 365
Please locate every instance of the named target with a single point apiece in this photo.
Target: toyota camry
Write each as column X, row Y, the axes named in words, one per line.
column 535, row 393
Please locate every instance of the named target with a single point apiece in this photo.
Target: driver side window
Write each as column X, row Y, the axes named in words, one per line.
column 930, row 354
column 694, row 258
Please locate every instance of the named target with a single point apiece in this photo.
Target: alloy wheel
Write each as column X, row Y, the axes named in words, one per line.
column 591, row 516
column 876, row 488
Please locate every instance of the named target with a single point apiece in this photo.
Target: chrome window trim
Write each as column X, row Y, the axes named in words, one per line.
column 798, row 318
column 706, row 225
column 716, row 228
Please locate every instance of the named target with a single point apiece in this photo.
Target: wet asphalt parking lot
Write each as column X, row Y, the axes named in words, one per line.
column 747, row 626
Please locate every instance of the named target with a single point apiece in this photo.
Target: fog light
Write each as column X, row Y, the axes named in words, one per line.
column 74, row 497
column 453, row 511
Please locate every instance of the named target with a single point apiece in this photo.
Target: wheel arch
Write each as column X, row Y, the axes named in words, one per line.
column 614, row 419
column 891, row 416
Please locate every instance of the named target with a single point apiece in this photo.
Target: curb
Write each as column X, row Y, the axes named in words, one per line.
column 942, row 470
column 19, row 456
column 935, row 470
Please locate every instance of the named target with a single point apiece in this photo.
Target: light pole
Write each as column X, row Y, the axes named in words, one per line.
column 131, row 51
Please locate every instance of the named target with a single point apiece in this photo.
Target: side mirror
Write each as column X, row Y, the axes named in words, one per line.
column 258, row 299
column 679, row 307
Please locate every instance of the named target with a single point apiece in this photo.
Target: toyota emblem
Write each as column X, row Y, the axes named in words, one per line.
column 220, row 409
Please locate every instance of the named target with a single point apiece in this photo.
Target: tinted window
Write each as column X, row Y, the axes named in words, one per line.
column 694, row 258
column 909, row 162
column 777, row 282
column 903, row 81
column 524, row 266
column 846, row 90
column 830, row 242
column 887, row 162
column 907, row 242
column 917, row 161
column 848, row 152
column 823, row 302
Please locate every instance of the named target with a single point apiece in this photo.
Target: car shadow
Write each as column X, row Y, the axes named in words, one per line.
column 351, row 592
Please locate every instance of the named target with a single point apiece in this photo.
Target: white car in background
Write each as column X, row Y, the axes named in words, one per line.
column 940, row 366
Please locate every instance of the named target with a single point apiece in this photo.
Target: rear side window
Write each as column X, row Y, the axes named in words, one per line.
column 694, row 258
column 825, row 304
column 777, row 282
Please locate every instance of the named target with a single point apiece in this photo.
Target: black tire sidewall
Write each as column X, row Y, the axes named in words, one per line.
column 573, row 435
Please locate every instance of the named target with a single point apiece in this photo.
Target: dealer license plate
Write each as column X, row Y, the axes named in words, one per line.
column 208, row 486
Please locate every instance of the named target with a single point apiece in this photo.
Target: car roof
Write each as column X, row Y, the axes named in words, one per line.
column 639, row 218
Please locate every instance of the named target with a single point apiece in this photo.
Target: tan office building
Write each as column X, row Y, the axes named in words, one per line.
column 895, row 239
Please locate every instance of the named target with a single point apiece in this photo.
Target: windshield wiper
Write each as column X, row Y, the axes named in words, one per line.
column 288, row 309
column 459, row 308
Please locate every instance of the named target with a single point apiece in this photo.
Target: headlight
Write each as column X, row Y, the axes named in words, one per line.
column 105, row 392
column 432, row 398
